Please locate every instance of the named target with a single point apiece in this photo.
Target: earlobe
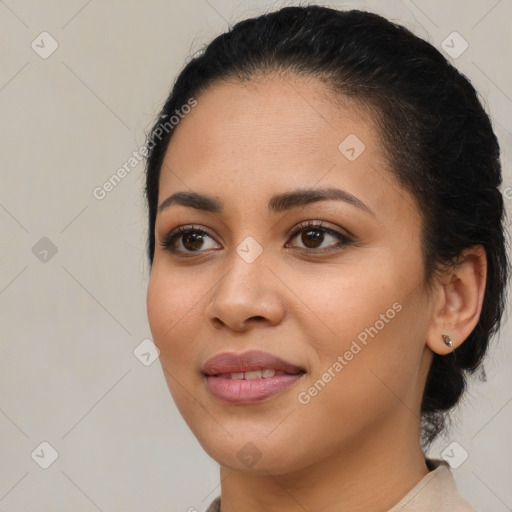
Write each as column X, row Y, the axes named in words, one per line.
column 458, row 302
column 447, row 340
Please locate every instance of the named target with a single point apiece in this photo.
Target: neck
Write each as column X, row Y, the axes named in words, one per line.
column 370, row 476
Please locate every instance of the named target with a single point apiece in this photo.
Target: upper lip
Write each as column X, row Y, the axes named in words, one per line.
column 229, row 362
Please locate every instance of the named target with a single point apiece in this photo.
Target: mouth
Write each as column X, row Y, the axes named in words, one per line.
column 249, row 377
column 253, row 364
column 260, row 373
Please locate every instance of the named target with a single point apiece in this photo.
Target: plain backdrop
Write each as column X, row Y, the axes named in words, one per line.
column 73, row 269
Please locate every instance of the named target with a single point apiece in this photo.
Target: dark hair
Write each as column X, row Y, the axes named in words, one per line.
column 436, row 134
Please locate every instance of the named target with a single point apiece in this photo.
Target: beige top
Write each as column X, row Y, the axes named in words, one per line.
column 435, row 492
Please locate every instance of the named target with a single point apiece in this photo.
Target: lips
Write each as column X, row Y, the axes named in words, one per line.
column 249, row 377
column 233, row 362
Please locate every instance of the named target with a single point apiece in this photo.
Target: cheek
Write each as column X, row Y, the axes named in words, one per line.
column 341, row 303
column 372, row 317
column 158, row 303
column 169, row 302
column 170, row 309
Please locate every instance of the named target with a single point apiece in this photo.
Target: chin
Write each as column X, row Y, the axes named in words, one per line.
column 257, row 457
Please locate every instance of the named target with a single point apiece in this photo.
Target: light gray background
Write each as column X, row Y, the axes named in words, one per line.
column 69, row 325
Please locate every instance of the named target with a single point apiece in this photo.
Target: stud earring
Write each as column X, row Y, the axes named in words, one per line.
column 448, row 341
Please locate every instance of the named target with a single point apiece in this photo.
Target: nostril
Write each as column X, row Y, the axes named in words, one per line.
column 217, row 322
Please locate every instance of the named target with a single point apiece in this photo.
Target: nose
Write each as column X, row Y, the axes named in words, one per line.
column 248, row 295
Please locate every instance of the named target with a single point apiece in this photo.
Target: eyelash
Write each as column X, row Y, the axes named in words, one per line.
column 169, row 240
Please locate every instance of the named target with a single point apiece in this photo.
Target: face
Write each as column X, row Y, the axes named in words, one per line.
column 333, row 286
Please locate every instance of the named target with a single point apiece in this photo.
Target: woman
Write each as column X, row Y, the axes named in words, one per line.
column 328, row 259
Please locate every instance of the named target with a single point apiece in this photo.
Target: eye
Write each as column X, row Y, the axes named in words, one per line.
column 191, row 239
column 313, row 234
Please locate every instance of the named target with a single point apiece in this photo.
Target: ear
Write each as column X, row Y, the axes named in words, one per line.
column 458, row 297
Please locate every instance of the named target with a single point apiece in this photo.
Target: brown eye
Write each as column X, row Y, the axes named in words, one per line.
column 313, row 234
column 312, row 238
column 192, row 240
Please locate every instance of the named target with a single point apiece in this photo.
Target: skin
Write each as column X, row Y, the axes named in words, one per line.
column 355, row 445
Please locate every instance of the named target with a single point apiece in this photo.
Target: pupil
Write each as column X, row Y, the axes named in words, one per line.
column 193, row 241
column 311, row 237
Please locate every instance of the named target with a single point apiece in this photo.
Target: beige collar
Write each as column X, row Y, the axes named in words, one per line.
column 435, row 492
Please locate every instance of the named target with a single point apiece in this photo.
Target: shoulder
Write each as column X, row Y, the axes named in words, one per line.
column 436, row 491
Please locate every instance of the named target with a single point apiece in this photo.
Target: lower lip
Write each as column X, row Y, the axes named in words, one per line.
column 251, row 390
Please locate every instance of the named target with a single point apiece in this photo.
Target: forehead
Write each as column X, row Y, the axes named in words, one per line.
column 274, row 116
column 246, row 140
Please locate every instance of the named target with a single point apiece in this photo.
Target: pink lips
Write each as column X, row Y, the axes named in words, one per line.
column 228, row 362
column 251, row 390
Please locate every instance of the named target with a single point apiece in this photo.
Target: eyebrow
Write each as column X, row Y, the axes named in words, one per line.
column 278, row 203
